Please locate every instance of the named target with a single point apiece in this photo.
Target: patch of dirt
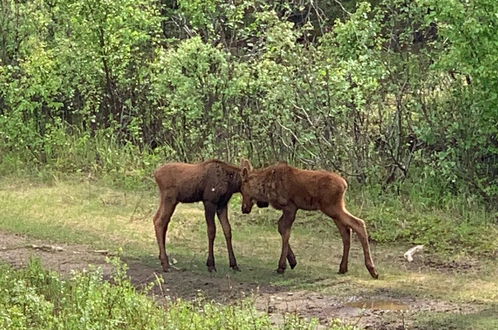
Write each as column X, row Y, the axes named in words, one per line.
column 17, row 251
column 372, row 312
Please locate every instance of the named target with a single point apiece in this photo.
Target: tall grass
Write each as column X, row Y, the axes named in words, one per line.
column 98, row 155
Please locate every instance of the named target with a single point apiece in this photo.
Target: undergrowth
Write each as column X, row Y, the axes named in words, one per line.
column 34, row 298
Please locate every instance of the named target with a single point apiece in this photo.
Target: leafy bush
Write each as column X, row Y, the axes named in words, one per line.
column 384, row 94
column 36, row 298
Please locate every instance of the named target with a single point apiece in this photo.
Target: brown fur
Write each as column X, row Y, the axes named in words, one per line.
column 213, row 182
column 288, row 189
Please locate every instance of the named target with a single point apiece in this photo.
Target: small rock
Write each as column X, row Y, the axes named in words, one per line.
column 47, row 248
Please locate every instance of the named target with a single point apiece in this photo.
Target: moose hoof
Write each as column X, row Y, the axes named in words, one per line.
column 280, row 270
column 235, row 267
column 373, row 272
column 165, row 266
column 211, row 269
column 342, row 271
column 291, row 258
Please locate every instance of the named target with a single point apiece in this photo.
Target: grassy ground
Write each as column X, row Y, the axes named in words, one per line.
column 80, row 211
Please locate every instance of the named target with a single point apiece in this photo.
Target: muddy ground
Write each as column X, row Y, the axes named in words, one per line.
column 373, row 312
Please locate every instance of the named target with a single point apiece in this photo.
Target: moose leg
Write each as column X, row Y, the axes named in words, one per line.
column 291, row 257
column 346, row 243
column 358, row 226
column 227, row 230
column 161, row 221
column 284, row 228
column 209, row 211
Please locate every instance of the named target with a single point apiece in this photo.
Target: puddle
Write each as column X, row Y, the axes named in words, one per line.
column 378, row 304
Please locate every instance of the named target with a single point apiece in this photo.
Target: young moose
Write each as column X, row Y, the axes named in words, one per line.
column 288, row 189
column 212, row 182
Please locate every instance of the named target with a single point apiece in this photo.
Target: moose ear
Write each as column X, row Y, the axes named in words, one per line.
column 244, row 163
column 245, row 173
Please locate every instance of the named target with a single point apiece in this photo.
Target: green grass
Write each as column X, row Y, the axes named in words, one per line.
column 75, row 210
column 486, row 319
column 33, row 298
column 456, row 225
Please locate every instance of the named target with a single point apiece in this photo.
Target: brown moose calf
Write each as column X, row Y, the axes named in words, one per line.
column 288, row 189
column 213, row 182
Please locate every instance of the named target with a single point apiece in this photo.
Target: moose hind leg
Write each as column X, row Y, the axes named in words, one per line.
column 358, row 226
column 346, row 244
column 227, row 231
column 161, row 221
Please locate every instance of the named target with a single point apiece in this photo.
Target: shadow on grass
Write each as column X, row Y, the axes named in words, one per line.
column 191, row 277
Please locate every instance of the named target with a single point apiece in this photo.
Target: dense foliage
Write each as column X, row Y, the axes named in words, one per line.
column 389, row 93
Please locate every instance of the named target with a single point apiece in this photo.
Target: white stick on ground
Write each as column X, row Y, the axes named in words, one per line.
column 409, row 254
column 44, row 247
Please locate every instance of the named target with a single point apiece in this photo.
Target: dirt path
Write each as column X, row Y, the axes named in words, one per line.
column 375, row 312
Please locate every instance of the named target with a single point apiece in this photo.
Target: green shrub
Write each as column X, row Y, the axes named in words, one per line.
column 34, row 298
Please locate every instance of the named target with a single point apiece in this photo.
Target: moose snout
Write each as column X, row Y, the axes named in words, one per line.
column 262, row 204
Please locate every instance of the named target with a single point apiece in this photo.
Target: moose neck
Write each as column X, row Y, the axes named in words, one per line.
column 234, row 173
column 263, row 179
column 230, row 174
column 237, row 180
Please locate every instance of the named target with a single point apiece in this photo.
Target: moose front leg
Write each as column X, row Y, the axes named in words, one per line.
column 209, row 211
column 291, row 257
column 284, row 228
column 227, row 230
